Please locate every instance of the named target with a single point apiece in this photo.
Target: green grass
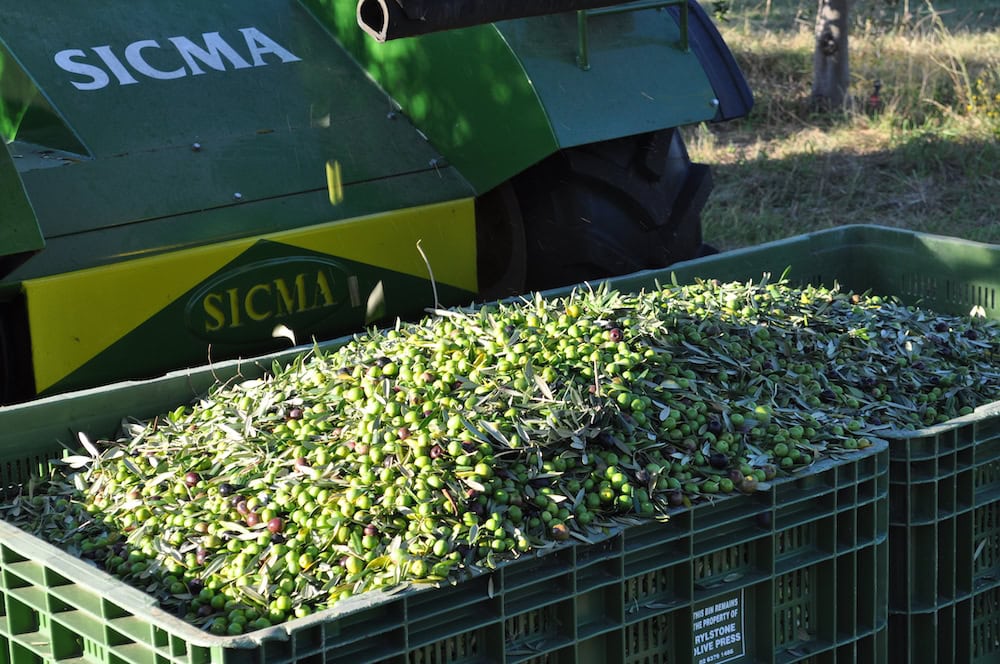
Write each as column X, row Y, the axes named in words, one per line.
column 928, row 161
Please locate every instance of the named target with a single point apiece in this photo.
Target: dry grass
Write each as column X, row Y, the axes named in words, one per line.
column 928, row 160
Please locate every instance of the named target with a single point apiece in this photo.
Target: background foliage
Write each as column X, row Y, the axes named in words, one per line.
column 924, row 155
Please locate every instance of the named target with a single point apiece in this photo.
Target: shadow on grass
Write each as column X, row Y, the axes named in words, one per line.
column 928, row 184
column 912, row 87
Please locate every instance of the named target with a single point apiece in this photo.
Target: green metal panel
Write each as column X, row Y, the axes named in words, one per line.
column 183, row 198
column 19, row 232
column 228, row 133
column 118, row 243
column 117, row 71
column 639, row 77
column 465, row 89
column 498, row 98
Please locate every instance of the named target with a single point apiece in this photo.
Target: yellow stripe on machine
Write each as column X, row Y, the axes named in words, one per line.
column 77, row 315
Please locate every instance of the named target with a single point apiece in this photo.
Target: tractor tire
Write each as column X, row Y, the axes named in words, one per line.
column 611, row 208
column 501, row 257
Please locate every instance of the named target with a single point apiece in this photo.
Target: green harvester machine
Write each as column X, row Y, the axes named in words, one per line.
column 183, row 182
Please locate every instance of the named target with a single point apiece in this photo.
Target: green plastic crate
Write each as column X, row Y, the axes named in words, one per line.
column 794, row 573
column 945, row 274
column 944, row 509
column 945, row 542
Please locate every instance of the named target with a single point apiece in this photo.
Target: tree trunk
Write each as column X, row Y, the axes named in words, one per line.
column 831, row 74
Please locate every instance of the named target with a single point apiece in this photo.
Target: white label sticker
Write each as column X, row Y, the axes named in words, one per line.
column 718, row 630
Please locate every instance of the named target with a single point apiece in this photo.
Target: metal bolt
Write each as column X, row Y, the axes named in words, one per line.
column 391, row 115
column 714, row 103
column 237, row 196
column 196, row 147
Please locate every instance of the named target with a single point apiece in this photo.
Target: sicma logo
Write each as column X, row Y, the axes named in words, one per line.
column 245, row 304
column 96, row 67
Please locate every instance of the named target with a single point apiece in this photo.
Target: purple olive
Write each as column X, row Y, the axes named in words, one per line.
column 718, row 460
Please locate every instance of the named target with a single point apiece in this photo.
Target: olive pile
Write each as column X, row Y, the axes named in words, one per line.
column 417, row 453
